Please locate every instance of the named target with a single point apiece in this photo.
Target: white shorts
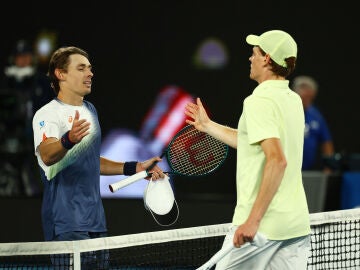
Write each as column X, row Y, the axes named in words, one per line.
column 280, row 255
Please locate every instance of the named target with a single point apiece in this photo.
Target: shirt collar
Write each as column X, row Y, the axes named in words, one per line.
column 277, row 84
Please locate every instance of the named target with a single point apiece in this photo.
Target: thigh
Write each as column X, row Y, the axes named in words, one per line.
column 103, row 255
column 71, row 236
column 97, row 234
column 89, row 260
column 292, row 256
column 79, row 235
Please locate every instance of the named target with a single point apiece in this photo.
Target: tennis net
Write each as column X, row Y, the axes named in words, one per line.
column 335, row 244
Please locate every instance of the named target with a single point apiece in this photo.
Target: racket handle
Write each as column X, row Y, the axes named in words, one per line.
column 217, row 257
column 127, row 181
column 259, row 241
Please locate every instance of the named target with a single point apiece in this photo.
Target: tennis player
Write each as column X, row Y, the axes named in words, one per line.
column 67, row 139
column 269, row 142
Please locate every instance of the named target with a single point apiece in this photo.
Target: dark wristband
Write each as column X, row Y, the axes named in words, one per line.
column 130, row 167
column 65, row 141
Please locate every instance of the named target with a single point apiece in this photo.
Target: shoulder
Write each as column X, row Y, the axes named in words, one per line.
column 49, row 107
column 90, row 106
column 257, row 98
column 314, row 111
column 258, row 104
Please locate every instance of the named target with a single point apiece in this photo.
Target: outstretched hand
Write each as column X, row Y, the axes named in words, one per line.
column 80, row 128
column 156, row 172
column 198, row 115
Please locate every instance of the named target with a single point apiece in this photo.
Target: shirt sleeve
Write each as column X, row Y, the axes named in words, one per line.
column 45, row 125
column 261, row 119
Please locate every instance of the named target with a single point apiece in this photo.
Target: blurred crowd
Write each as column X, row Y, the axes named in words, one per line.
column 24, row 87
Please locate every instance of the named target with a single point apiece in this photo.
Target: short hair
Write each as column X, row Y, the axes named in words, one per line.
column 280, row 70
column 60, row 60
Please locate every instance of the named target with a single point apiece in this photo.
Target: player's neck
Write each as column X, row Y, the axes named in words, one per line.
column 74, row 100
column 268, row 75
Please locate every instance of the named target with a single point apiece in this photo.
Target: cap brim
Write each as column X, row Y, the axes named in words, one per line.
column 252, row 39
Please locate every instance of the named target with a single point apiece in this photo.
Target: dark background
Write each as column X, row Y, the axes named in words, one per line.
column 137, row 47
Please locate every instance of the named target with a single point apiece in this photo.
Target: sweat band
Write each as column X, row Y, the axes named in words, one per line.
column 65, row 141
column 130, row 167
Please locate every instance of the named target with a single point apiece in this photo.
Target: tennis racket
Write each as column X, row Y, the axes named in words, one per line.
column 258, row 241
column 190, row 153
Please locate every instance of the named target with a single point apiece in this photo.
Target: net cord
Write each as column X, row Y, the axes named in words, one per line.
column 138, row 239
column 334, row 216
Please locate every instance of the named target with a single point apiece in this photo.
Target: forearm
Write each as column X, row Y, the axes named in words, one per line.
column 110, row 167
column 223, row 133
column 271, row 180
column 52, row 151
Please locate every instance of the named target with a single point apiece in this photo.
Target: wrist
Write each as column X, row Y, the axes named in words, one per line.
column 130, row 167
column 66, row 142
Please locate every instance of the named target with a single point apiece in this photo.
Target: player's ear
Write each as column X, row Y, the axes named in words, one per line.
column 59, row 74
column 267, row 58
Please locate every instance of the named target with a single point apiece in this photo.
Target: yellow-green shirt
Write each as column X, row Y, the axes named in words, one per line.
column 273, row 110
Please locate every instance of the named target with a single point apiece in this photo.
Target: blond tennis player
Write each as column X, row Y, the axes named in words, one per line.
column 269, row 141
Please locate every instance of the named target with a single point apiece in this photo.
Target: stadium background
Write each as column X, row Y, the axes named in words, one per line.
column 137, row 47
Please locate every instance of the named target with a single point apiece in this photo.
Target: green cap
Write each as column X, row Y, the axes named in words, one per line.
column 278, row 44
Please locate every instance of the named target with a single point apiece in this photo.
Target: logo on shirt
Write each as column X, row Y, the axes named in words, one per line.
column 44, row 137
column 70, row 119
column 42, row 124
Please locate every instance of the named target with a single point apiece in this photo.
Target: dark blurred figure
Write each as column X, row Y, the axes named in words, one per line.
column 24, row 89
column 318, row 140
column 23, row 76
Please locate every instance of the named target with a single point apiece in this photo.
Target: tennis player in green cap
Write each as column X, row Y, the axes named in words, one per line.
column 269, row 141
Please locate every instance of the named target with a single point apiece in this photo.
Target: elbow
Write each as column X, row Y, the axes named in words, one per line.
column 47, row 160
column 279, row 162
column 282, row 163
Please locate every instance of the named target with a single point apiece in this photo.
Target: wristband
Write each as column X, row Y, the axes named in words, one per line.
column 65, row 141
column 130, row 167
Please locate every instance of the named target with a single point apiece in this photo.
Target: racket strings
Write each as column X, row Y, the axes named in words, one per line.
column 196, row 153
